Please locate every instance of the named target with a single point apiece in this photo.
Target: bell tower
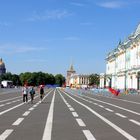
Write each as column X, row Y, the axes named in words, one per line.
column 70, row 72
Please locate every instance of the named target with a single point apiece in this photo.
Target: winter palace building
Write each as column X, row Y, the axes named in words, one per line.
column 123, row 64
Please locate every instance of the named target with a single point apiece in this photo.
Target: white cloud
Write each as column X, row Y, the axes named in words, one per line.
column 111, row 4
column 49, row 15
column 12, row 49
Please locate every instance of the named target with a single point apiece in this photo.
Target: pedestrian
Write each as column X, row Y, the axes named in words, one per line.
column 32, row 93
column 41, row 91
column 118, row 92
column 25, row 93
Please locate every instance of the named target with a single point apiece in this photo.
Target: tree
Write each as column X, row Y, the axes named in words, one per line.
column 41, row 79
column 24, row 77
column 2, row 77
column 50, row 79
column 16, row 80
column 35, row 78
column 94, row 80
column 59, row 79
column 7, row 76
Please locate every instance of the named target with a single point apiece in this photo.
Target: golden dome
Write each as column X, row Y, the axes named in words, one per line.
column 2, row 63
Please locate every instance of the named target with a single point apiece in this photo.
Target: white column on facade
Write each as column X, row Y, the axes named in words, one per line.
column 79, row 80
column 101, row 82
column 113, row 86
column 85, row 81
column 134, row 81
column 130, row 81
column 138, row 54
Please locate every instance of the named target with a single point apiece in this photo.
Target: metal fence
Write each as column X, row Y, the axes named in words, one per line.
column 104, row 92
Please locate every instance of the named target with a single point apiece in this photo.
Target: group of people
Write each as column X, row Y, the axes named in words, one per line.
column 30, row 90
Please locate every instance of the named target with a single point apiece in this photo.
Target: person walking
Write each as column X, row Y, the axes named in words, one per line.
column 25, row 93
column 41, row 91
column 32, row 93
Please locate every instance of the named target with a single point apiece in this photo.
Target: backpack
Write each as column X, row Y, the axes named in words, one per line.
column 32, row 91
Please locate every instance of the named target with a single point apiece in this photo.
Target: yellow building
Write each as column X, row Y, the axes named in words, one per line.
column 76, row 80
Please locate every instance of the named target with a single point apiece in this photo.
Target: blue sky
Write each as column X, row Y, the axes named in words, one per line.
column 49, row 35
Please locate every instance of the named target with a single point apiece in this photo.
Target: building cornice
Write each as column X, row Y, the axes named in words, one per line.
column 129, row 42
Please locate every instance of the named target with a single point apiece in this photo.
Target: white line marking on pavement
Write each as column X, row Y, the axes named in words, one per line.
column 119, row 99
column 90, row 102
column 8, row 103
column 10, row 99
column 31, row 108
column 2, row 105
column 71, row 109
column 13, row 101
column 109, row 110
column 111, row 105
column 18, row 121
column 11, row 108
column 136, row 122
column 38, row 103
column 101, row 106
column 74, row 114
column 118, row 114
column 5, row 111
column 26, row 113
column 80, row 122
column 88, row 135
column 5, row 134
column 49, row 122
column 68, row 105
column 121, row 131
column 35, row 105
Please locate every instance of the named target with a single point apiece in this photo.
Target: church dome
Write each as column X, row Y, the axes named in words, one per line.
column 2, row 65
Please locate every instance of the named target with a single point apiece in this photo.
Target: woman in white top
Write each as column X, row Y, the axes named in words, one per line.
column 25, row 93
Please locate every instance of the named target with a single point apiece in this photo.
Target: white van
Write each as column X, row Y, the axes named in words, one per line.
column 7, row 84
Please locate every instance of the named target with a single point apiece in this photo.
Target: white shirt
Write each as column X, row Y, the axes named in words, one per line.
column 25, row 90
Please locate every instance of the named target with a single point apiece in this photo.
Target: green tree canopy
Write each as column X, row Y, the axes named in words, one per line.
column 94, row 79
column 59, row 79
column 35, row 78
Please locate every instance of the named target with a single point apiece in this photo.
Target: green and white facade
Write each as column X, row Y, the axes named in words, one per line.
column 123, row 64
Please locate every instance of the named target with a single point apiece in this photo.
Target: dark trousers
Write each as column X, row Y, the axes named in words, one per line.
column 25, row 97
column 41, row 96
column 32, row 97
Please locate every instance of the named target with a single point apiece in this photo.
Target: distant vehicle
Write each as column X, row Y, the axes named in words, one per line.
column 7, row 84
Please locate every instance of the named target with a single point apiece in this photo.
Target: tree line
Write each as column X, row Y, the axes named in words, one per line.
column 34, row 78
column 38, row 78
